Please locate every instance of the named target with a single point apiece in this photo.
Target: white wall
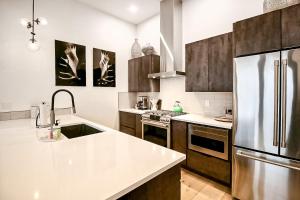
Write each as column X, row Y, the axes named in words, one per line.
column 201, row 19
column 148, row 32
column 27, row 78
column 207, row 18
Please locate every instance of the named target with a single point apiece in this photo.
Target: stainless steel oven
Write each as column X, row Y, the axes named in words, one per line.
column 207, row 140
column 156, row 132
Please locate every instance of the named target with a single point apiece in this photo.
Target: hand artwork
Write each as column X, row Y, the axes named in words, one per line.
column 72, row 61
column 104, row 66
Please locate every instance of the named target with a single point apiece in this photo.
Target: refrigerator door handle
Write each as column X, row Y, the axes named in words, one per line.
column 294, row 166
column 276, row 84
column 284, row 82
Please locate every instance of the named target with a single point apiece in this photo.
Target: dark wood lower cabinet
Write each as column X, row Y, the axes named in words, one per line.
column 218, row 169
column 138, row 126
column 127, row 130
column 127, row 119
column 165, row 186
column 179, row 137
column 131, row 124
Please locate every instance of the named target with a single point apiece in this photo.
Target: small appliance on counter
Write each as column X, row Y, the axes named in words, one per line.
column 143, row 103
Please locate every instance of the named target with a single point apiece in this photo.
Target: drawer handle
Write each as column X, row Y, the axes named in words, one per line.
column 258, row 158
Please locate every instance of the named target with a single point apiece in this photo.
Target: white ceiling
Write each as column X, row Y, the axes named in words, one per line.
column 120, row 8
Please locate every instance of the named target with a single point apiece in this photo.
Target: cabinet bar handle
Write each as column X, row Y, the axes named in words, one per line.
column 275, row 134
column 284, row 81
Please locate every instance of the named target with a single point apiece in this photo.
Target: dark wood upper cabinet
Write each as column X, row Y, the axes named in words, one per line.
column 290, row 24
column 220, row 62
column 196, row 58
column 218, row 169
column 134, row 66
column 209, row 65
column 257, row 34
column 138, row 70
column 127, row 130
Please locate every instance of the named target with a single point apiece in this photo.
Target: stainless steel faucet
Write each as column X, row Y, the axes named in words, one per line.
column 52, row 113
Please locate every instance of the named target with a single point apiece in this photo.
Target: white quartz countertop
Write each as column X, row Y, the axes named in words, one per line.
column 200, row 119
column 100, row 166
column 134, row 111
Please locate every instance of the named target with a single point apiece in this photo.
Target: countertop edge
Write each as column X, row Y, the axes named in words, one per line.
column 132, row 110
column 145, row 180
column 229, row 127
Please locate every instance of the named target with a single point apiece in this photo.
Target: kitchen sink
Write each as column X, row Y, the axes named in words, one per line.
column 78, row 130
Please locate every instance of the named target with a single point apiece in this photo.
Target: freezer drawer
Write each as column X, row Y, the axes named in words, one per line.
column 258, row 176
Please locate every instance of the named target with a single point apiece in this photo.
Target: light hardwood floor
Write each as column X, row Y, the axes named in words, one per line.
column 195, row 187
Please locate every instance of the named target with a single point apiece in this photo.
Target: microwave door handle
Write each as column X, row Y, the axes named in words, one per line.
column 265, row 160
column 276, row 84
column 284, row 87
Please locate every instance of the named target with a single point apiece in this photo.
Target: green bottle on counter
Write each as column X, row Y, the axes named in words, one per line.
column 177, row 107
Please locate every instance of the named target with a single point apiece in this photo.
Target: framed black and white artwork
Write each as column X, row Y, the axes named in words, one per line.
column 104, row 68
column 70, row 64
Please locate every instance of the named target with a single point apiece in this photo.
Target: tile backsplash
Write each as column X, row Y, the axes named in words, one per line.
column 26, row 114
column 4, row 116
column 204, row 103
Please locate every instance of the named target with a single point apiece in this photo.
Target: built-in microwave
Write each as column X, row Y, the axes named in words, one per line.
column 208, row 140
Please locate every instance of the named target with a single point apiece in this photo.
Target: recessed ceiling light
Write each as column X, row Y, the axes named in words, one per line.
column 133, row 8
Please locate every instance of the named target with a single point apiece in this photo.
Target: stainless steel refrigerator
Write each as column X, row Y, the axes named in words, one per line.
column 266, row 129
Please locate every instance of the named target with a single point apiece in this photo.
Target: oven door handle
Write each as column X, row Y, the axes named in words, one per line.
column 156, row 124
column 210, row 135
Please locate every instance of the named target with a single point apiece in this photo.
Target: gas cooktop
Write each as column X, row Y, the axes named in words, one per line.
column 161, row 115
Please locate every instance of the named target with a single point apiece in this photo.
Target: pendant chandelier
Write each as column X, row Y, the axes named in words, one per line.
column 33, row 44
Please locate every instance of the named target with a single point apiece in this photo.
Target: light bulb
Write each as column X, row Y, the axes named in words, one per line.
column 24, row 22
column 133, row 8
column 33, row 45
column 42, row 21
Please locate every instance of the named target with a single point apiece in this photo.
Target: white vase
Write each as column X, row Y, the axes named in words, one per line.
column 271, row 5
column 136, row 49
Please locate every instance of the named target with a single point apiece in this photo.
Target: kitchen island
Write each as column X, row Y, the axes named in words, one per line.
column 107, row 165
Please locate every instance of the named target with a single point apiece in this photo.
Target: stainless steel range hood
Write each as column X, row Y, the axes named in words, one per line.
column 170, row 40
